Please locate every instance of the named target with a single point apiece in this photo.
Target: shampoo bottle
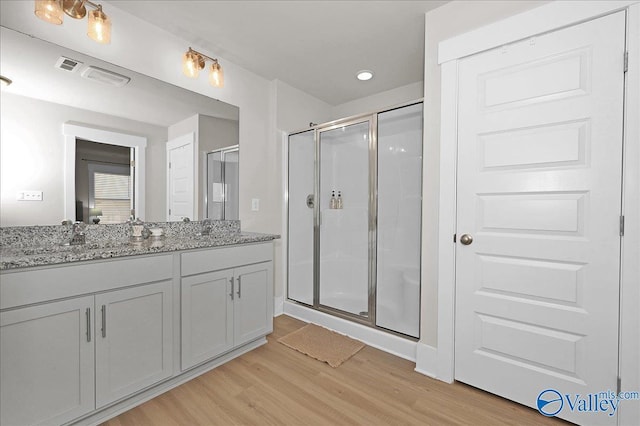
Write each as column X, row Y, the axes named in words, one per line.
column 332, row 201
column 339, row 201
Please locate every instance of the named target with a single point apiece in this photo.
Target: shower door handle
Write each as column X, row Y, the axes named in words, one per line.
column 310, row 201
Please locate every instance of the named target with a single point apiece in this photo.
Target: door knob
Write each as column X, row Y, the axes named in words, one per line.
column 466, row 239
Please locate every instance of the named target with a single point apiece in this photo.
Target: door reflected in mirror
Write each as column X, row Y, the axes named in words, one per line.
column 104, row 185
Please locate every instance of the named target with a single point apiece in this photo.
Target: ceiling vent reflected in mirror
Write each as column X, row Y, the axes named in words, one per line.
column 105, row 76
column 68, row 64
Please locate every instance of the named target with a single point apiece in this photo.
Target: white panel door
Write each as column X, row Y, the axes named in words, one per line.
column 134, row 343
column 539, row 172
column 252, row 316
column 46, row 363
column 180, row 178
column 207, row 316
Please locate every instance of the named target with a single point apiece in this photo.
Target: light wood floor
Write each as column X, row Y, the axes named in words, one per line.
column 275, row 385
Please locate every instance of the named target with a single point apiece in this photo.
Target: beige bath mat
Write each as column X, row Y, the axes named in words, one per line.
column 322, row 344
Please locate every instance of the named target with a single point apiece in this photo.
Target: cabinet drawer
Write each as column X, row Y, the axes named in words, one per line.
column 208, row 260
column 41, row 285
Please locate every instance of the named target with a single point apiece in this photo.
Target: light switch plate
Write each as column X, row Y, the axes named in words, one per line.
column 255, row 204
column 29, row 196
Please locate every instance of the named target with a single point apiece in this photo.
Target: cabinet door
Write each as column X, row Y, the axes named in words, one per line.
column 133, row 340
column 46, row 362
column 207, row 316
column 253, row 309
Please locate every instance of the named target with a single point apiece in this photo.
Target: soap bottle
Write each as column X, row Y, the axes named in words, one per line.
column 332, row 201
column 339, row 201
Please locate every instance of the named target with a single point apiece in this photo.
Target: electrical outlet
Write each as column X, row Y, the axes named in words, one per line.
column 255, row 204
column 29, row 196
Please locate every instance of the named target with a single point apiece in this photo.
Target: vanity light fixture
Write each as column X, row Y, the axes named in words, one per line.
column 194, row 61
column 99, row 24
column 364, row 75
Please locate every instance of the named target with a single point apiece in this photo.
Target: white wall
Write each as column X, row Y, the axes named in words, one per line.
column 442, row 23
column 295, row 109
column 32, row 157
column 379, row 101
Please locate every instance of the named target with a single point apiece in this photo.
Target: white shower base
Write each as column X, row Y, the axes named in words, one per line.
column 404, row 348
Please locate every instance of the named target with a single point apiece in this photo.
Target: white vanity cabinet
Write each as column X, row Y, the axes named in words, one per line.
column 65, row 358
column 82, row 342
column 51, row 353
column 225, row 307
column 133, row 340
column 47, row 362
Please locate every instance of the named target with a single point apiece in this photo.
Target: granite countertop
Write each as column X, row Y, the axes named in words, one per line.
column 14, row 257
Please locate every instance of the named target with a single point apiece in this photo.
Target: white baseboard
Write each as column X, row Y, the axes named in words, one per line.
column 278, row 306
column 404, row 348
column 426, row 360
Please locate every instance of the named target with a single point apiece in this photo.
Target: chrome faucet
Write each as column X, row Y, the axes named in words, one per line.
column 77, row 234
column 207, row 227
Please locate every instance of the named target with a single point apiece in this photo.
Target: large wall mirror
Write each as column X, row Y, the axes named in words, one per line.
column 83, row 139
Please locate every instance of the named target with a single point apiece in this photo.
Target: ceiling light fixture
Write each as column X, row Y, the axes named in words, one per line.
column 194, row 61
column 364, row 75
column 4, row 81
column 99, row 24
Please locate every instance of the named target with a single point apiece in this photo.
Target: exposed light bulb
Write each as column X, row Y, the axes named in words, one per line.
column 99, row 26
column 49, row 11
column 191, row 64
column 216, row 76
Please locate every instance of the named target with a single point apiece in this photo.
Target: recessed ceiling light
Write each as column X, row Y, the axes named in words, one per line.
column 4, row 81
column 364, row 75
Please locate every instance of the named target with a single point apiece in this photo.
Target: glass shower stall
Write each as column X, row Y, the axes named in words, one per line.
column 222, row 202
column 354, row 218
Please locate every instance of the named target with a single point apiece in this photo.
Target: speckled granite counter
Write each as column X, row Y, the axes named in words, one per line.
column 24, row 247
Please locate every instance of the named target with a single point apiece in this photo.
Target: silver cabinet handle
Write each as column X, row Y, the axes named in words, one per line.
column 239, row 288
column 231, row 294
column 104, row 321
column 88, row 313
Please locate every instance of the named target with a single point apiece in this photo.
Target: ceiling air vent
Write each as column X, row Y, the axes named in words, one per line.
column 105, row 76
column 68, row 64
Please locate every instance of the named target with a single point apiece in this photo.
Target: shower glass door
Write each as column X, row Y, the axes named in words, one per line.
column 399, row 219
column 301, row 188
column 345, row 200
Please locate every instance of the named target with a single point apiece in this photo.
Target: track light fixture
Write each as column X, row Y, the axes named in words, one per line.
column 99, row 24
column 194, row 61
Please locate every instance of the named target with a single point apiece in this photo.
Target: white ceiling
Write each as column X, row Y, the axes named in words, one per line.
column 315, row 46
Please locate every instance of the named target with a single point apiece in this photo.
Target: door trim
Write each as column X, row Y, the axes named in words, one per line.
column 512, row 29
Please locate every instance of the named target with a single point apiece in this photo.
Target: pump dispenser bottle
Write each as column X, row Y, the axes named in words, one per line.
column 332, row 201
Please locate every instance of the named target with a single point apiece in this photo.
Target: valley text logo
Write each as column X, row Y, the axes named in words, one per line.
column 551, row 402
